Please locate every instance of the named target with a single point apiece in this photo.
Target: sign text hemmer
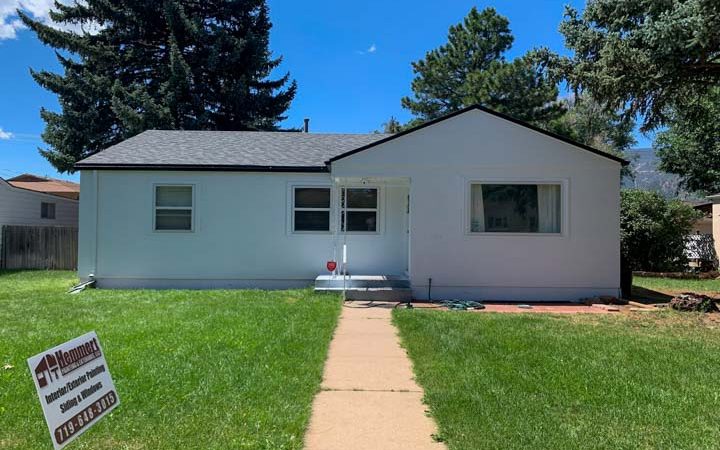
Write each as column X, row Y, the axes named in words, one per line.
column 74, row 386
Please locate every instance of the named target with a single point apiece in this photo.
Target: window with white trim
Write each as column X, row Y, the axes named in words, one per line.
column 311, row 209
column 360, row 205
column 173, row 208
column 515, row 208
column 47, row 210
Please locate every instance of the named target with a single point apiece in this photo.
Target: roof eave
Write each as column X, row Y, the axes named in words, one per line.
column 200, row 167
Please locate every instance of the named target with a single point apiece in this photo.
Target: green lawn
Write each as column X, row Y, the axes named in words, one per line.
column 674, row 286
column 193, row 369
column 537, row 381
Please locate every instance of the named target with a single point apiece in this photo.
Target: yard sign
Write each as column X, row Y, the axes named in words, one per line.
column 75, row 387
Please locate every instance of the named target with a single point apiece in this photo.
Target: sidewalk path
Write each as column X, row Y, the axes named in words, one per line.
column 369, row 399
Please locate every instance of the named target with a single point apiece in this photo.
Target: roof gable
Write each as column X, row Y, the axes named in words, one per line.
column 488, row 111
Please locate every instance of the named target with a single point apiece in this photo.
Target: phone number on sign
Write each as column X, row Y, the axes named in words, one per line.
column 84, row 417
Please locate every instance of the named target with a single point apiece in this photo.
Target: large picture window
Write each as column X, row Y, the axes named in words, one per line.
column 311, row 209
column 515, row 208
column 173, row 208
column 360, row 205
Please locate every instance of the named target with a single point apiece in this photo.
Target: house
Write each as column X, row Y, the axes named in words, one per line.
column 60, row 188
column 24, row 202
column 472, row 205
column 710, row 224
column 38, row 230
column 702, row 226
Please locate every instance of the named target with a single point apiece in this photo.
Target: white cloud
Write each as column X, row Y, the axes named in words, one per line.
column 371, row 49
column 10, row 24
column 5, row 135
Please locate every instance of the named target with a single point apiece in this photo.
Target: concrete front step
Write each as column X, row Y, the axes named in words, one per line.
column 379, row 294
column 367, row 287
column 329, row 282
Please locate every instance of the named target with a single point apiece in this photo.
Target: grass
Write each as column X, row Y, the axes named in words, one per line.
column 193, row 369
column 565, row 382
column 674, row 286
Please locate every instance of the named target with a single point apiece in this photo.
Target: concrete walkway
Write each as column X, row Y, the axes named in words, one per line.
column 369, row 399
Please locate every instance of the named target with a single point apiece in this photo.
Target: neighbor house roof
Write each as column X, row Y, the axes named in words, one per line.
column 46, row 185
column 262, row 150
column 223, row 150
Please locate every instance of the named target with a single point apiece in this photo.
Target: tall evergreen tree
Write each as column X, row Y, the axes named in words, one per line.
column 392, row 126
column 590, row 123
column 690, row 146
column 171, row 64
column 471, row 68
column 659, row 60
column 646, row 56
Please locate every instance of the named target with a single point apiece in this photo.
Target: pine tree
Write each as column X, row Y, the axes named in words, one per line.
column 647, row 57
column 392, row 126
column 471, row 68
column 144, row 64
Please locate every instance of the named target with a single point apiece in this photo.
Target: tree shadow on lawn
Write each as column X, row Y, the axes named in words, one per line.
column 648, row 296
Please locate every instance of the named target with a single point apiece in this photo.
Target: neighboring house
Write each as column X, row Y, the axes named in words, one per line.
column 60, row 188
column 700, row 244
column 21, row 205
column 713, row 220
column 473, row 205
column 37, row 248
column 704, row 225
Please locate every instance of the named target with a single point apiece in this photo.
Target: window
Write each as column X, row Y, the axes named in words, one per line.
column 361, row 210
column 311, row 209
column 515, row 208
column 47, row 210
column 173, row 208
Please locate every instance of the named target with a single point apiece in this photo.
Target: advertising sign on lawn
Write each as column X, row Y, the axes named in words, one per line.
column 75, row 387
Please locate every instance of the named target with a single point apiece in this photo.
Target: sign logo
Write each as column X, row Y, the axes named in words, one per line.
column 74, row 385
column 66, row 361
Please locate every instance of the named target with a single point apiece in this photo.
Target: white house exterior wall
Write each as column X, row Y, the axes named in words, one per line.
column 442, row 159
column 242, row 233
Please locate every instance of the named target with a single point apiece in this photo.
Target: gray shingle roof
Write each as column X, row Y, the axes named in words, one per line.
column 229, row 148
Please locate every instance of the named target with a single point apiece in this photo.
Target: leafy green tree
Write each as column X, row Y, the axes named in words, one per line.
column 690, row 147
column 590, row 123
column 654, row 230
column 471, row 68
column 172, row 64
column 646, row 57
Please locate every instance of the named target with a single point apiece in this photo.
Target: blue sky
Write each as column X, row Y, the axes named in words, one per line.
column 351, row 61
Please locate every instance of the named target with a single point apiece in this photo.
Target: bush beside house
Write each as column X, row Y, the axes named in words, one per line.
column 654, row 231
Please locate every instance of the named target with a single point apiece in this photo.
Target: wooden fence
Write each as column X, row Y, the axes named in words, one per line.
column 30, row 247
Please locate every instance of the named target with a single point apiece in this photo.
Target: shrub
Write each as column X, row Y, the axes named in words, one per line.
column 654, row 230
